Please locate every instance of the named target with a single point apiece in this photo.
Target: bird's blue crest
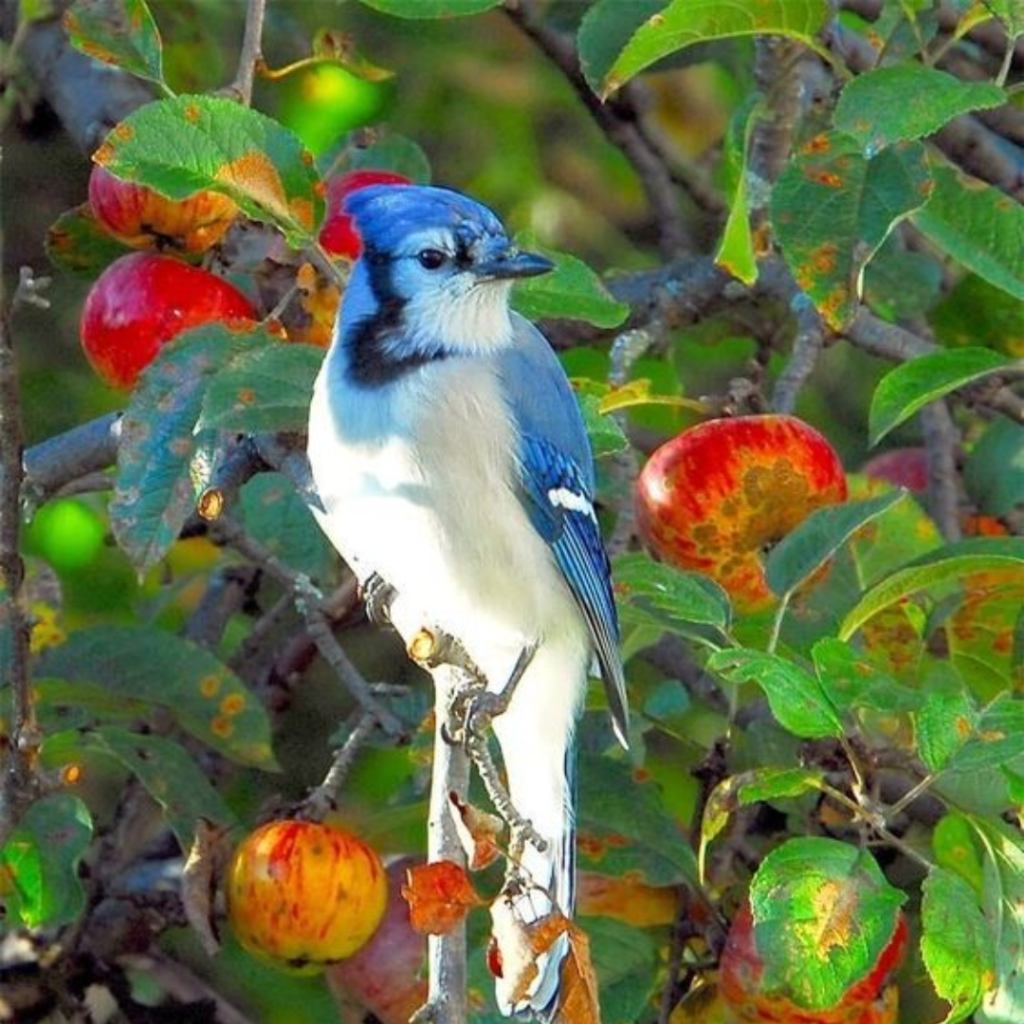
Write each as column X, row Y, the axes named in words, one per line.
column 384, row 214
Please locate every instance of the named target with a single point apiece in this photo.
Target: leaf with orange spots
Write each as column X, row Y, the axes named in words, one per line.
column 823, row 913
column 262, row 388
column 832, row 208
column 182, row 145
column 153, row 667
column 75, row 242
column 118, row 32
column 440, row 895
column 167, row 772
column 164, row 461
column 626, row 899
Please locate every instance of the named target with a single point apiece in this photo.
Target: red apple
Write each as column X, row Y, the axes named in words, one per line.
column 385, row 978
column 904, row 467
column 337, row 235
column 716, row 498
column 144, row 219
column 142, row 301
column 871, row 1000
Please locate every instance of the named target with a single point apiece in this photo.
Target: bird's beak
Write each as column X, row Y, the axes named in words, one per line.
column 511, row 264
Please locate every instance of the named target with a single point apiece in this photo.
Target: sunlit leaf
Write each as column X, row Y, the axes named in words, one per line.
column 823, row 913
column 182, row 145
column 431, row 8
column 39, row 863
column 686, row 22
column 912, row 385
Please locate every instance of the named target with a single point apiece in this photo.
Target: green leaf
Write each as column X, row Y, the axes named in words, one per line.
column 264, row 388
column 979, row 226
column 75, row 242
column 431, row 8
column 61, row 704
column 980, row 554
column 572, row 291
column 736, row 250
column 994, row 474
column 907, row 101
column 118, row 32
column 977, row 313
column 911, row 386
column 179, row 146
column 605, row 29
column 900, row 284
column 686, row 22
column 168, row 774
column 823, row 914
column 624, row 826
column 801, row 553
column 144, row 663
column 1002, row 901
column 957, row 849
column 626, row 961
column 606, row 436
column 997, row 737
column 795, row 696
column 832, row 208
column 163, row 462
column 668, row 598
column 40, row 860
column 942, row 725
column 955, row 943
column 851, row 681
column 281, row 521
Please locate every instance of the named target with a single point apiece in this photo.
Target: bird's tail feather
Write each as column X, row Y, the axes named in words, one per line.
column 542, row 787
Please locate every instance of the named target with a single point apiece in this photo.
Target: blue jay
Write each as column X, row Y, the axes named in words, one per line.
column 451, row 462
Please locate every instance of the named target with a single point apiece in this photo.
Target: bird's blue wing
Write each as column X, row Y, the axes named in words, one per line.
column 557, row 487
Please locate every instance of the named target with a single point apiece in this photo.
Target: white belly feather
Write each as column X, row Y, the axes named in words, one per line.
column 429, row 505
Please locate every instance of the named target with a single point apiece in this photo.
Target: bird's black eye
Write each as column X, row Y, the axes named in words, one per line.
column 432, row 259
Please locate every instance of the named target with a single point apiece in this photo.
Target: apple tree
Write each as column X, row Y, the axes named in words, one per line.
column 789, row 250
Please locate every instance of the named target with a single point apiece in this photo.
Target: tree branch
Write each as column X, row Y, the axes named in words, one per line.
column 20, row 783
column 940, row 443
column 251, row 52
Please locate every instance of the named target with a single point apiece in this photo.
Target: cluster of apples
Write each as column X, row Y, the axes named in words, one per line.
column 145, row 298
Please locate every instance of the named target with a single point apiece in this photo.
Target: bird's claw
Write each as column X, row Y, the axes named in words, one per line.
column 377, row 595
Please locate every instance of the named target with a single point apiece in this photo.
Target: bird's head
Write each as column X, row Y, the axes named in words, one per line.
column 439, row 266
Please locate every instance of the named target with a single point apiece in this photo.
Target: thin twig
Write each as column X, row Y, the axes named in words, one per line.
column 324, row 798
column 807, row 348
column 251, row 51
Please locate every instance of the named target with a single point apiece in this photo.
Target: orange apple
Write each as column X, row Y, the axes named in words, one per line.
column 716, row 498
column 144, row 219
column 302, row 894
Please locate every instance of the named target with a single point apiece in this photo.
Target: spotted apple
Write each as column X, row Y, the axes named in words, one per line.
column 716, row 498
column 302, row 894
column 873, row 999
column 144, row 219
column 140, row 302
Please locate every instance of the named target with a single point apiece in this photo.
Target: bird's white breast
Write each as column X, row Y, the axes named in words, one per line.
column 418, row 487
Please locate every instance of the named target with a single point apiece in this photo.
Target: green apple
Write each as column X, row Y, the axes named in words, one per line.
column 67, row 533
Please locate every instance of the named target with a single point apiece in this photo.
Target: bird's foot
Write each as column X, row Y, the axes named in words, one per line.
column 476, row 707
column 377, row 595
